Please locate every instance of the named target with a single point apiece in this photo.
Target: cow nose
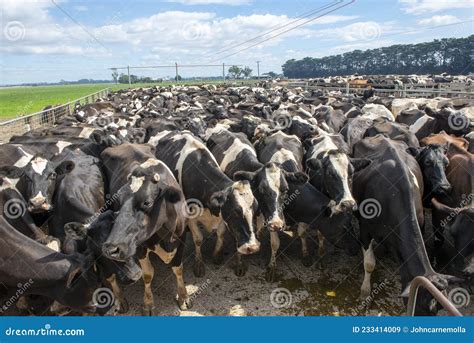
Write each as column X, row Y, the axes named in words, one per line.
column 276, row 225
column 349, row 204
column 249, row 248
column 113, row 251
column 446, row 187
column 37, row 201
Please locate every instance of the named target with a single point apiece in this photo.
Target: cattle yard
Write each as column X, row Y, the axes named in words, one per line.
column 307, row 198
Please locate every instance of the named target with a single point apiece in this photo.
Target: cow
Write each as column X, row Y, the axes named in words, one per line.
column 38, row 179
column 418, row 121
column 221, row 201
column 392, row 130
column 331, row 169
column 151, row 215
column 238, row 160
column 308, row 207
column 69, row 279
column 392, row 218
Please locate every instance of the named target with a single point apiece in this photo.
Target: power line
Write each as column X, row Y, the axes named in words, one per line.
column 288, row 30
column 277, row 27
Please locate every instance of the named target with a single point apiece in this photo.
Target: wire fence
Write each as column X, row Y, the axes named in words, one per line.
column 45, row 118
column 405, row 91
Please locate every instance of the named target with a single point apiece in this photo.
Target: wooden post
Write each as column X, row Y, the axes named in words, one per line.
column 223, row 72
column 129, row 81
column 177, row 75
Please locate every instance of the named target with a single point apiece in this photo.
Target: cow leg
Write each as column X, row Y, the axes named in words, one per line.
column 198, row 267
column 182, row 297
column 123, row 303
column 148, row 272
column 271, row 268
column 320, row 243
column 217, row 254
column 305, row 256
column 369, row 266
column 260, row 225
column 240, row 267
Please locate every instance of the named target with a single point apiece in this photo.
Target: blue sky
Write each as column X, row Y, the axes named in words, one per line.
column 48, row 40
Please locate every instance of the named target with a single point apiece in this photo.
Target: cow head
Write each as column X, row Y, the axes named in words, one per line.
column 336, row 169
column 39, row 181
column 92, row 237
column 433, row 162
column 270, row 186
column 301, row 128
column 148, row 206
column 340, row 231
column 237, row 206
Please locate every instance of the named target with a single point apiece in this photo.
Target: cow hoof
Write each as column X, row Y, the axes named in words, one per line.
column 364, row 293
column 148, row 312
column 307, row 261
column 184, row 304
column 218, row 259
column 270, row 274
column 240, row 269
column 124, row 307
column 198, row 269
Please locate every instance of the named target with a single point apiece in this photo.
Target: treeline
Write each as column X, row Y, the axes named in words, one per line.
column 451, row 55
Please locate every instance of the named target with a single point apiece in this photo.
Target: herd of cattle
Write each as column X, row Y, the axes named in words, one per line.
column 86, row 202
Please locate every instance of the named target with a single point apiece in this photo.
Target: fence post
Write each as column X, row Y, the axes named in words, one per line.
column 347, row 88
column 177, row 75
column 129, row 81
column 223, row 72
column 404, row 91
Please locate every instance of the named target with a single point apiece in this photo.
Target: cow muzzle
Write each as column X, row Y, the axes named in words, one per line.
column 249, row 248
column 38, row 204
column 276, row 225
column 116, row 252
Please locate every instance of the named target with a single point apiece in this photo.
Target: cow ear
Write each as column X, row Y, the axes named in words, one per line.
column 314, row 164
column 73, row 276
column 11, row 172
column 76, row 231
column 297, row 178
column 360, row 163
column 413, row 151
column 65, row 167
column 216, row 201
column 172, row 194
column 96, row 137
column 244, row 176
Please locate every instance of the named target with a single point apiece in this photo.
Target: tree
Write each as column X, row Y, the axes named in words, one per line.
column 235, row 72
column 178, row 78
column 451, row 55
column 272, row 74
column 115, row 75
column 247, row 72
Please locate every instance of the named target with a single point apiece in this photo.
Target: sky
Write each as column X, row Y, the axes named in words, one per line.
column 50, row 40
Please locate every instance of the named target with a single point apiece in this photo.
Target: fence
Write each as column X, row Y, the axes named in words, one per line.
column 45, row 118
column 457, row 90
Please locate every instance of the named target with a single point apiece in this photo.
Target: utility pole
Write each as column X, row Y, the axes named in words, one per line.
column 129, row 81
column 223, row 72
column 258, row 70
column 176, row 65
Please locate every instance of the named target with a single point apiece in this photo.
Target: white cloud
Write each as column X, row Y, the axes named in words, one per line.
column 81, row 8
column 360, row 31
column 424, row 6
column 212, row 2
column 439, row 20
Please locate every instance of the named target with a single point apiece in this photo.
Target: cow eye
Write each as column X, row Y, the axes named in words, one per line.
column 52, row 175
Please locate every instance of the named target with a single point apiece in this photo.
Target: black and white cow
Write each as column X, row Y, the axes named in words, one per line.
column 238, row 159
column 151, row 214
column 331, row 169
column 307, row 206
column 222, row 202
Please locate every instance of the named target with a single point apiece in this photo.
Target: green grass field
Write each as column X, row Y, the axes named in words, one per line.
column 16, row 101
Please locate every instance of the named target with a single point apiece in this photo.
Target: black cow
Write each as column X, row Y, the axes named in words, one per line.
column 222, row 202
column 68, row 279
column 389, row 194
column 151, row 215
